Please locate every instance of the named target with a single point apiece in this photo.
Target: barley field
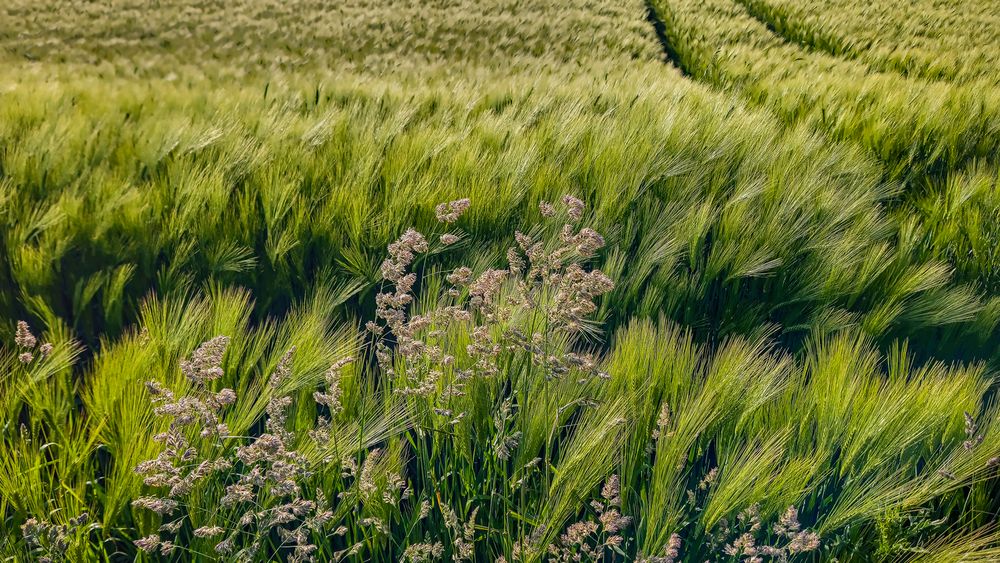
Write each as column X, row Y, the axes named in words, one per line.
column 511, row 280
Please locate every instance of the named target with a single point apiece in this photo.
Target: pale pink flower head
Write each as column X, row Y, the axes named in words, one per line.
column 450, row 212
column 206, row 362
column 574, row 206
column 23, row 337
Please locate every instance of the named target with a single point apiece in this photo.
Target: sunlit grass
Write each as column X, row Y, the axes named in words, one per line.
column 796, row 359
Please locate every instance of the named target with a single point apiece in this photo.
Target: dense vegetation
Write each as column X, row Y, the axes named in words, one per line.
column 953, row 41
column 527, row 280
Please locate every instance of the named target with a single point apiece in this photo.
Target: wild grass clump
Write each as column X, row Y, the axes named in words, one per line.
column 485, row 417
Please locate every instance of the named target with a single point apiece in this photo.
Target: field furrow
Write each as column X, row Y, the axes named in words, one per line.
column 916, row 127
column 909, row 124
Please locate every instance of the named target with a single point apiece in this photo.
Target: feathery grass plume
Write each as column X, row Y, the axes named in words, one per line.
column 23, row 337
column 265, row 496
column 747, row 537
column 182, row 464
column 26, row 341
column 268, row 490
column 423, row 552
column 450, row 212
column 671, row 552
column 588, row 539
column 51, row 542
column 547, row 292
column 463, row 535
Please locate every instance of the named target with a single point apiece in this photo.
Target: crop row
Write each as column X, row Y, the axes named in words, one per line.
column 953, row 41
column 925, row 133
column 254, row 36
column 915, row 127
